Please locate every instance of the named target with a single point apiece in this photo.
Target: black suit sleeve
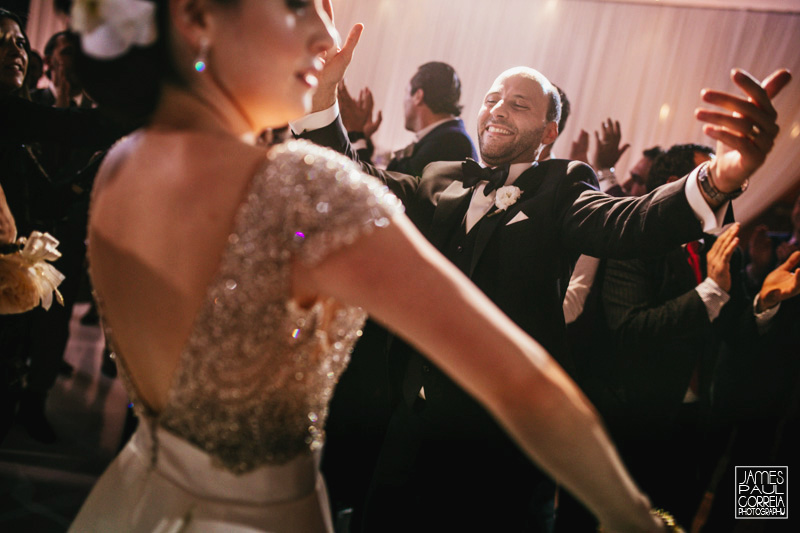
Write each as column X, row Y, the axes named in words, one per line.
column 634, row 313
column 596, row 224
column 334, row 136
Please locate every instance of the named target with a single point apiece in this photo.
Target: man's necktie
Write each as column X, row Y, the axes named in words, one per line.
column 693, row 258
column 474, row 174
column 693, row 249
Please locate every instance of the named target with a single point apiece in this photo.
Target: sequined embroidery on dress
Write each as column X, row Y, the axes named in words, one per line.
column 255, row 378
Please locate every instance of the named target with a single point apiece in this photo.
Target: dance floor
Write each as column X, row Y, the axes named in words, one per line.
column 43, row 485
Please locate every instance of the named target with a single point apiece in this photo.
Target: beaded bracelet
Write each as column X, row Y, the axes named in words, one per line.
column 668, row 519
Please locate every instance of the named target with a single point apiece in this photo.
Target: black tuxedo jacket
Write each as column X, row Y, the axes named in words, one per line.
column 523, row 256
column 447, row 142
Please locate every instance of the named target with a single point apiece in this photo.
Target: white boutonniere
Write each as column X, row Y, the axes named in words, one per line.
column 108, row 28
column 505, row 197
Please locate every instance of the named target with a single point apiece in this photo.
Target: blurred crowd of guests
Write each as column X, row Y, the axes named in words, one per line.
column 51, row 143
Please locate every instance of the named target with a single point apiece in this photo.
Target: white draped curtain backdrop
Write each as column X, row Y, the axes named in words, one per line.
column 642, row 62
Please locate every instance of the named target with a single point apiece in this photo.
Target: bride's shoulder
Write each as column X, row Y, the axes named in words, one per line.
column 318, row 198
column 301, row 168
column 294, row 157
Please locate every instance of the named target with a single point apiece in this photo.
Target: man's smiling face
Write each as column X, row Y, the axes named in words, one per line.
column 512, row 123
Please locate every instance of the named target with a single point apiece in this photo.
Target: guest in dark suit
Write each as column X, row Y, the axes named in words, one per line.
column 431, row 112
column 64, row 88
column 431, row 109
column 446, row 464
column 667, row 317
column 44, row 151
column 758, row 388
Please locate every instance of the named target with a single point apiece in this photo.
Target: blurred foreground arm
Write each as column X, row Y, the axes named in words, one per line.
column 404, row 283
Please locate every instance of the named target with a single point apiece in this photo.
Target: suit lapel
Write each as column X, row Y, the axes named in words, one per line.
column 449, row 213
column 529, row 183
column 485, row 227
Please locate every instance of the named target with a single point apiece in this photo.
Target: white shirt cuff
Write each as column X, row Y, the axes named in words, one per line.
column 714, row 298
column 712, row 221
column 763, row 319
column 579, row 286
column 315, row 121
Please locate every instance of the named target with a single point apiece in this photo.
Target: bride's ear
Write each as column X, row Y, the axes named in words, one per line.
column 192, row 20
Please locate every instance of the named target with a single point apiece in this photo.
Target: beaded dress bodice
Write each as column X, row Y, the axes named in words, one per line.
column 255, row 377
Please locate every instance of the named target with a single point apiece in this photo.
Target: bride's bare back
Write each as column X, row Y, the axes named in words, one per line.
column 162, row 210
column 212, row 334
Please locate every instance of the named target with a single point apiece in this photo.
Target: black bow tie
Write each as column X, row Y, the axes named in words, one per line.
column 474, row 174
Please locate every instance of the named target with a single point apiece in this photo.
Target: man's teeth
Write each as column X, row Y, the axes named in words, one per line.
column 495, row 129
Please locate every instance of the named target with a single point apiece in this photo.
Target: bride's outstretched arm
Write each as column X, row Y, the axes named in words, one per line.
column 407, row 285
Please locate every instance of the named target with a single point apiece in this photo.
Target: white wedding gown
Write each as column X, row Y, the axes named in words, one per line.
column 236, row 447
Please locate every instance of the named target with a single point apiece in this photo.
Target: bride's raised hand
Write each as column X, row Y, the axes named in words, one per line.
column 336, row 60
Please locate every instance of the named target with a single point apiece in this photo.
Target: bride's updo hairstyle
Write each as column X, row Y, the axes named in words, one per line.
column 125, row 56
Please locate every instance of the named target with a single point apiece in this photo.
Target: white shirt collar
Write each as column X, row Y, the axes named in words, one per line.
column 515, row 170
column 429, row 128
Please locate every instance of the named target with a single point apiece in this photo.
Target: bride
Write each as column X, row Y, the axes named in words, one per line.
column 233, row 281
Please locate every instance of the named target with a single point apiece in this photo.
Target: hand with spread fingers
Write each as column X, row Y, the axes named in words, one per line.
column 745, row 128
column 718, row 258
column 608, row 150
column 336, row 61
column 781, row 284
column 580, row 148
column 367, row 103
column 352, row 117
column 357, row 115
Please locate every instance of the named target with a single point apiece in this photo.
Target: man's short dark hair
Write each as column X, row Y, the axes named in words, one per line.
column 440, row 86
column 677, row 161
column 565, row 109
column 653, row 153
column 50, row 47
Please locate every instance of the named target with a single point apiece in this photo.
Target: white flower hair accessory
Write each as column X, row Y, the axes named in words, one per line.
column 108, row 28
column 506, row 197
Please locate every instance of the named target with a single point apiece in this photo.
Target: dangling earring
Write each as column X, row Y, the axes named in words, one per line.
column 200, row 62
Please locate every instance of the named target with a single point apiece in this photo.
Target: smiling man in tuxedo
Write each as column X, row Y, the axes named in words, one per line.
column 515, row 229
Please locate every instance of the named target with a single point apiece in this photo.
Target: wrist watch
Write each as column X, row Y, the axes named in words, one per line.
column 607, row 174
column 708, row 187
